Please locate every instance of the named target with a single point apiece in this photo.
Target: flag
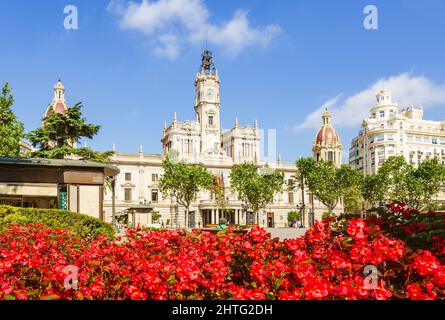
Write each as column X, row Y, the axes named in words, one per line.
column 222, row 179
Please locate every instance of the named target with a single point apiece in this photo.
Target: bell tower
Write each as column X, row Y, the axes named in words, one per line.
column 207, row 105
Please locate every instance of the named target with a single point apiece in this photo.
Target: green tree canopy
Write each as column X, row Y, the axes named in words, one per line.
column 59, row 133
column 183, row 182
column 399, row 181
column 256, row 187
column 374, row 188
column 327, row 182
column 11, row 129
column 430, row 176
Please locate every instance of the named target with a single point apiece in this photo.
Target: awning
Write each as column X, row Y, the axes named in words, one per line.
column 29, row 190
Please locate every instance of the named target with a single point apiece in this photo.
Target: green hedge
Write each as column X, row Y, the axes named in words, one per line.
column 82, row 225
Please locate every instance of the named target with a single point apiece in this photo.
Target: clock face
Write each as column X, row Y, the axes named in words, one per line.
column 210, row 93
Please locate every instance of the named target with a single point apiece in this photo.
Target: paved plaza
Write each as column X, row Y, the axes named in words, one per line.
column 286, row 233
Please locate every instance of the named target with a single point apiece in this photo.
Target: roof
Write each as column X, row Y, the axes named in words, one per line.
column 109, row 170
column 326, row 135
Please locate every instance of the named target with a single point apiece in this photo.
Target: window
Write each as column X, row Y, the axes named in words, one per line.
column 154, row 177
column 401, row 125
column 290, row 183
column 128, row 194
column 382, row 114
column 247, row 149
column 210, row 120
column 187, row 146
column 380, row 137
column 127, row 176
column 330, row 156
column 291, row 197
column 373, row 115
column 390, row 137
column 434, row 141
column 154, row 195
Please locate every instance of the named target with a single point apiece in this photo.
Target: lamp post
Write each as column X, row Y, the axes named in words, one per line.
column 302, row 208
column 113, row 200
column 244, row 207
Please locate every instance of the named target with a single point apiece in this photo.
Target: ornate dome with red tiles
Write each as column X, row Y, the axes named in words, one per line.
column 58, row 105
column 327, row 135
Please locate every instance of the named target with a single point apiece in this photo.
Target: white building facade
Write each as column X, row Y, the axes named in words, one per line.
column 393, row 132
column 203, row 141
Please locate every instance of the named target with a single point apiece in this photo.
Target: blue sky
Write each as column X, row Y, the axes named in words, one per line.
column 279, row 62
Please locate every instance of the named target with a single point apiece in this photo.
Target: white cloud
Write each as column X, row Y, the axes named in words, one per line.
column 407, row 90
column 172, row 24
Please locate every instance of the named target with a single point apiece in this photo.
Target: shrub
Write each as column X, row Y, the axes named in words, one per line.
column 80, row 224
column 293, row 215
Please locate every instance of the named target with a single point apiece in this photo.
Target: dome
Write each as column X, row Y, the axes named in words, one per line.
column 326, row 135
column 58, row 105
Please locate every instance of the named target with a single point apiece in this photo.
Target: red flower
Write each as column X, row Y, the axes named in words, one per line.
column 425, row 263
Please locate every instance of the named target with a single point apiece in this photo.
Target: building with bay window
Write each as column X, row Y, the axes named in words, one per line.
column 392, row 132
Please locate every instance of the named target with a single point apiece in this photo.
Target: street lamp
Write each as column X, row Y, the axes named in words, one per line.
column 113, row 200
column 302, row 208
column 244, row 207
column 311, row 215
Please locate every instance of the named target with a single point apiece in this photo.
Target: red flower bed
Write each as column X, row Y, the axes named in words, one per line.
column 336, row 259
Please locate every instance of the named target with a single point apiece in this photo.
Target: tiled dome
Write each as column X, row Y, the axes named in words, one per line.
column 326, row 134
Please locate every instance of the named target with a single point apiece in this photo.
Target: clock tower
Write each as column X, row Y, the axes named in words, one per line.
column 207, row 105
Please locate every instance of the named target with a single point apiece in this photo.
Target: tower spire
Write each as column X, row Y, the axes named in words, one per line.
column 207, row 65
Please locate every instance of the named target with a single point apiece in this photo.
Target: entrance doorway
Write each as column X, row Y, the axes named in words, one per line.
column 270, row 219
column 250, row 218
column 191, row 219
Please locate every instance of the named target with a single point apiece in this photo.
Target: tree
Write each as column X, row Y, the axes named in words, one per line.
column 59, row 133
column 183, row 182
column 257, row 188
column 327, row 182
column 399, row 181
column 349, row 181
column 11, row 129
column 304, row 165
column 352, row 199
column 374, row 188
column 423, row 183
column 293, row 215
column 396, row 171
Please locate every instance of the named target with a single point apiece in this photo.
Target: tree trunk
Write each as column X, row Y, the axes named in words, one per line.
column 186, row 217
